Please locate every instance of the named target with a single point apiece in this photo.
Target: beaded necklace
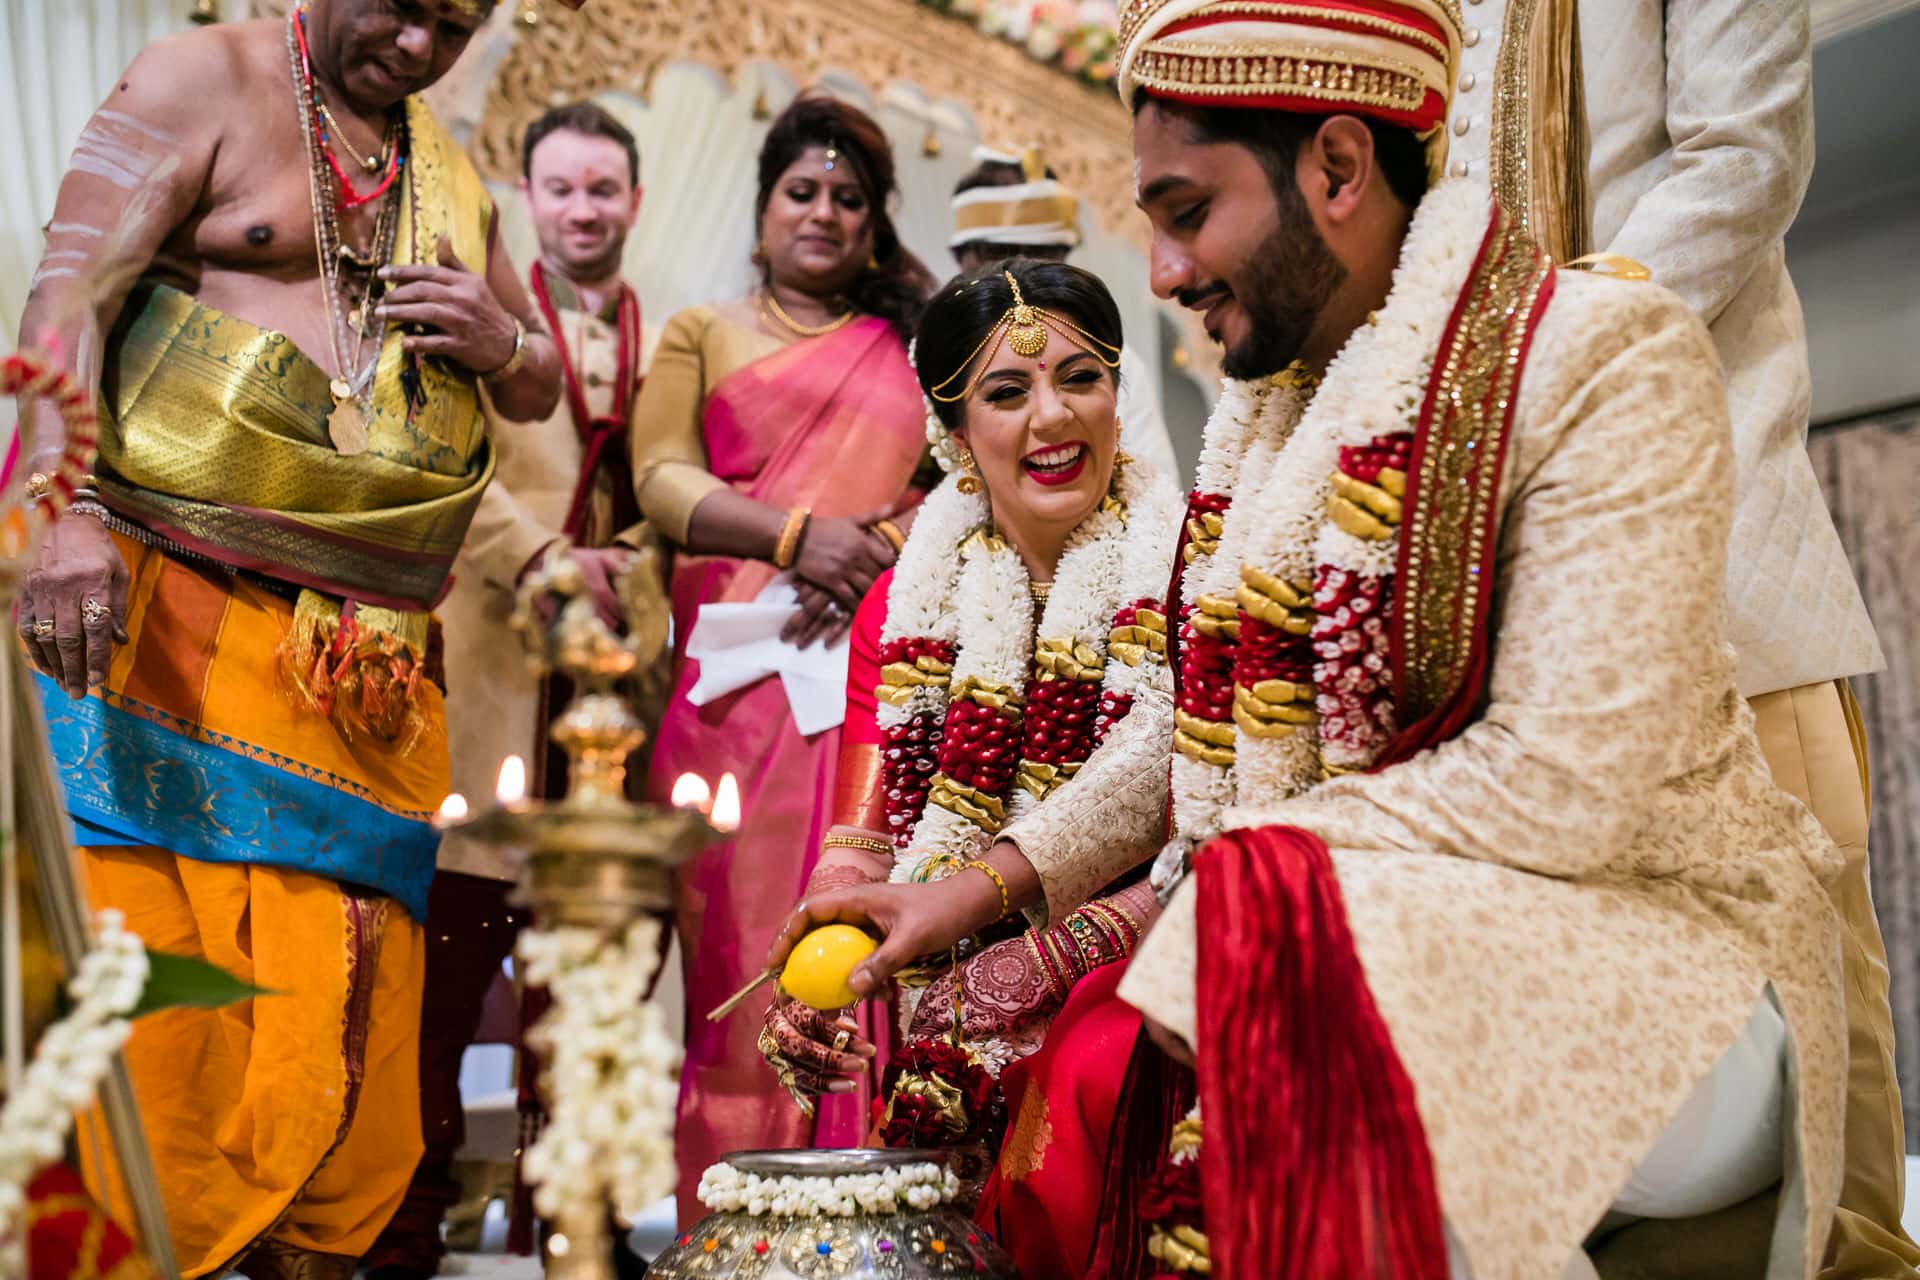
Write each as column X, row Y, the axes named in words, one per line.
column 316, row 123
column 352, row 383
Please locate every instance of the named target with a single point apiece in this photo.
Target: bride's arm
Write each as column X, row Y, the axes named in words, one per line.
column 1113, row 817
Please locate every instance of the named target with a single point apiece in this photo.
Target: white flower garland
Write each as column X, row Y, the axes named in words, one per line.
column 725, row 1189
column 975, row 594
column 73, row 1056
column 611, row 1075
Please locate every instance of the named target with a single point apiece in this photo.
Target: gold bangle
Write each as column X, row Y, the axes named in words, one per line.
column 891, row 532
column 872, row 844
column 514, row 361
column 790, row 534
column 1006, row 900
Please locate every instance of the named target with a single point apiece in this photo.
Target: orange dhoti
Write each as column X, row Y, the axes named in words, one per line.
column 230, row 824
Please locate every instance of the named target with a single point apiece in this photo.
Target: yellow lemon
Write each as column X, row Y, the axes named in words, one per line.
column 817, row 971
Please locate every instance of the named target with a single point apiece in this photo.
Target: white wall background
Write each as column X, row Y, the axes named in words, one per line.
column 58, row 58
column 1854, row 251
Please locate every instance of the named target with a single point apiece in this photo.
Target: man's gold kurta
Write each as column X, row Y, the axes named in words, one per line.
column 493, row 703
column 1568, row 912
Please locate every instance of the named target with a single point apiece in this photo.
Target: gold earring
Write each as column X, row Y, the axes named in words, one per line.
column 873, row 263
column 969, row 481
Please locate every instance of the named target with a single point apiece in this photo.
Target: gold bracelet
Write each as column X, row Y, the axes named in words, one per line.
column 872, row 844
column 1006, row 900
column 891, row 532
column 790, row 534
column 514, row 361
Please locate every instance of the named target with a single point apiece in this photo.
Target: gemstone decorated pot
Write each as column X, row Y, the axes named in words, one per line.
column 907, row 1244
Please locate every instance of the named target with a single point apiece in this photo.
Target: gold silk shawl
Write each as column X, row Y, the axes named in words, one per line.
column 216, row 437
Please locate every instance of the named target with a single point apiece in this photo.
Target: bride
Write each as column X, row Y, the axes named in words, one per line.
column 1018, row 631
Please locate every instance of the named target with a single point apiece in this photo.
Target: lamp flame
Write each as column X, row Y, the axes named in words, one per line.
column 452, row 809
column 512, row 785
column 726, row 805
column 690, row 791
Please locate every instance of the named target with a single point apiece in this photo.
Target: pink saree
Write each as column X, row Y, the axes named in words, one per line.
column 833, row 423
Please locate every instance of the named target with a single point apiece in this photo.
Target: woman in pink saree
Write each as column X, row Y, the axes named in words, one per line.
column 778, row 434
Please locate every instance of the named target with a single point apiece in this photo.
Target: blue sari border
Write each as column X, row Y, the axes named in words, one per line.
column 147, row 776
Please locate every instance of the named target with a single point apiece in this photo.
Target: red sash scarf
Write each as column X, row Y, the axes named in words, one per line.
column 1314, row 1164
column 604, row 438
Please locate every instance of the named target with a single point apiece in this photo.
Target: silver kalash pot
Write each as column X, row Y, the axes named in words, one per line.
column 905, row 1245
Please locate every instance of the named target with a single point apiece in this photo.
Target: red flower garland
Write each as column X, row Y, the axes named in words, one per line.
column 1352, row 672
column 1206, row 671
column 1059, row 721
column 912, row 748
column 951, row 1100
column 981, row 746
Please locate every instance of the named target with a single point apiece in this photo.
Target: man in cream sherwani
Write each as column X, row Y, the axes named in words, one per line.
column 1700, row 114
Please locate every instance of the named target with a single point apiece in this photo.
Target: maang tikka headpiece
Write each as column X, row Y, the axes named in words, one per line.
column 1025, row 329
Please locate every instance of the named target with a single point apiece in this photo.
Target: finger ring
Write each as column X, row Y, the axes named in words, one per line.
column 840, row 1041
column 42, row 628
column 768, row 1046
column 93, row 612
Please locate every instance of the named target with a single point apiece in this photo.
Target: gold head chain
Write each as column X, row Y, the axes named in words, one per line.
column 1025, row 330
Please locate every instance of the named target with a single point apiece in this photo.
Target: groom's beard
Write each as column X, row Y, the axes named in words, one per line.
column 1292, row 275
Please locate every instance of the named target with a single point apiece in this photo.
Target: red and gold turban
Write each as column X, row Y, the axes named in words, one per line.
column 1391, row 60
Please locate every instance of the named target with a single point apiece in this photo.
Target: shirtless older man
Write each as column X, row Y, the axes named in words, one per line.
column 274, row 236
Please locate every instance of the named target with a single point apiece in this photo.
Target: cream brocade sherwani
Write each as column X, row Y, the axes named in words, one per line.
column 493, row 701
column 1566, row 913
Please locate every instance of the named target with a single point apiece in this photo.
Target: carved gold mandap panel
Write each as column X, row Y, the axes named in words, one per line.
column 620, row 44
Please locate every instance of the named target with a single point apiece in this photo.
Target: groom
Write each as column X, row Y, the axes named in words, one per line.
column 1489, row 884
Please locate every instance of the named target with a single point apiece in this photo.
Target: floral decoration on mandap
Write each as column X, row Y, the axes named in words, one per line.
column 1080, row 37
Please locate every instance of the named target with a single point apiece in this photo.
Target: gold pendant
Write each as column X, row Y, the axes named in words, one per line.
column 340, row 389
column 347, row 428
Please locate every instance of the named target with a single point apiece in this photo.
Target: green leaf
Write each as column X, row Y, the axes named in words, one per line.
column 183, row 982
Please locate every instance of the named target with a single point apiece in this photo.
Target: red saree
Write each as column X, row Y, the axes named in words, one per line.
column 832, row 423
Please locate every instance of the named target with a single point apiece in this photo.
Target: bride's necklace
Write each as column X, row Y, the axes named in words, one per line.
column 771, row 308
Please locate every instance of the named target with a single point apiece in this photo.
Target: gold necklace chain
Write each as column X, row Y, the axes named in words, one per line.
column 370, row 163
column 352, row 379
column 770, row 307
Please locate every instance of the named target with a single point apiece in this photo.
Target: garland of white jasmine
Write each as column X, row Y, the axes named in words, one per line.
column 1288, row 614
column 610, row 1076
column 725, row 1189
column 73, row 1056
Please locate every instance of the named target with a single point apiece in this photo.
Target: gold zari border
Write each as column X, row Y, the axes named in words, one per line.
column 1226, row 69
column 1476, row 377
